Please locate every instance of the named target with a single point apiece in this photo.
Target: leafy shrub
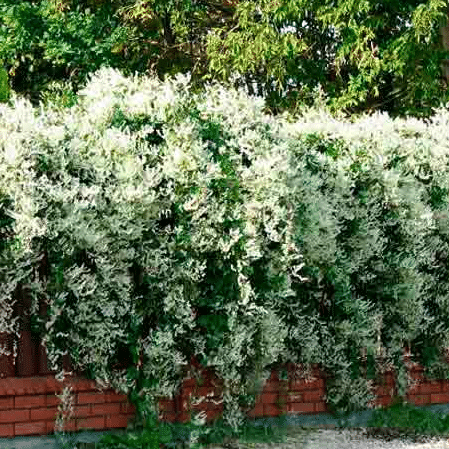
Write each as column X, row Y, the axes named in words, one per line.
column 59, row 94
column 4, row 86
column 138, row 198
column 176, row 225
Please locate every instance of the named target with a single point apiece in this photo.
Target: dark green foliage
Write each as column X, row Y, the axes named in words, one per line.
column 363, row 58
column 5, row 91
column 6, row 223
column 40, row 44
column 407, row 416
column 133, row 124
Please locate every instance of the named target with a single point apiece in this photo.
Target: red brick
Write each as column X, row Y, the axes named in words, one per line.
column 417, row 368
column 167, row 417
column 284, row 398
column 313, row 396
column 52, row 400
column 183, row 417
column 114, row 397
column 301, row 385
column 429, row 388
column 282, row 407
column 417, row 375
column 69, row 425
column 18, row 385
column 127, row 408
column 90, row 398
column 50, row 426
column 388, row 379
column 14, row 416
column 188, row 383
column 257, row 411
column 83, row 385
column 295, row 397
column 166, row 405
column 413, row 390
column 30, row 428
column 53, row 385
column 7, row 431
column 95, row 422
column 187, row 391
column 210, row 379
column 422, row 399
column 81, row 411
column 207, row 391
column 383, row 401
column 6, row 403
column 105, row 409
column 43, row 414
column 199, row 407
column 186, row 404
column 321, row 407
column 271, row 410
column 268, row 398
column 118, row 421
column 29, row 401
column 384, row 391
column 305, row 397
column 439, row 398
column 301, row 407
column 212, row 415
column 271, row 386
column 283, row 384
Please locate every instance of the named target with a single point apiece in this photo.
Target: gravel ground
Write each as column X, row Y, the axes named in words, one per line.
column 359, row 439
column 295, row 438
column 341, row 439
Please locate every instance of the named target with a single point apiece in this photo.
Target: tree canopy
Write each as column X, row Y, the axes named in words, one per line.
column 363, row 55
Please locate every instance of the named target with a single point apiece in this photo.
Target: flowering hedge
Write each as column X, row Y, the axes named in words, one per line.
column 175, row 224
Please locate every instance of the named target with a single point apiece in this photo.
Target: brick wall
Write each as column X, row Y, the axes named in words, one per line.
column 28, row 405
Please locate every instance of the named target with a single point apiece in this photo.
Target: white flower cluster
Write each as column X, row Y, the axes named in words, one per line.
column 168, row 216
column 86, row 185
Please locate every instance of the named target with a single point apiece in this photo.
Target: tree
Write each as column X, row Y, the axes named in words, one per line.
column 64, row 40
column 48, row 41
column 365, row 55
column 183, row 29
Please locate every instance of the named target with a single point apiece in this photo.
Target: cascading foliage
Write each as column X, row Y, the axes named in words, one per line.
column 174, row 224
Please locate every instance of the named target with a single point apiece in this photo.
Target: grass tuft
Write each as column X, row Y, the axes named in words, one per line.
column 410, row 420
column 398, row 421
